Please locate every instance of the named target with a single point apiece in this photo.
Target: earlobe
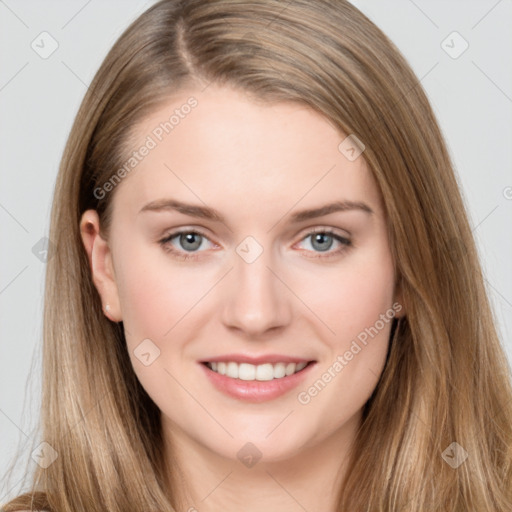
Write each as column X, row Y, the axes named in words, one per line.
column 100, row 262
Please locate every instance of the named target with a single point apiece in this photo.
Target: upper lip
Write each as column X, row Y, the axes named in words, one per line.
column 268, row 358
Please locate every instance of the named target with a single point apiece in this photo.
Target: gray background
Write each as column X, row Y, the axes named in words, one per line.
column 471, row 95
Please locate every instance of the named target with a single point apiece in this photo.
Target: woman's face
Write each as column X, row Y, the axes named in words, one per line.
column 274, row 275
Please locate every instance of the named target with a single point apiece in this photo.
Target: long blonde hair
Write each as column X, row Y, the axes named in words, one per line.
column 446, row 379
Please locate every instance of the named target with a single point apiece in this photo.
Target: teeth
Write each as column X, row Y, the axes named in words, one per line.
column 246, row 371
column 232, row 370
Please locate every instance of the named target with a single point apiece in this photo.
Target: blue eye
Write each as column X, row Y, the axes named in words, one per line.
column 323, row 239
column 191, row 241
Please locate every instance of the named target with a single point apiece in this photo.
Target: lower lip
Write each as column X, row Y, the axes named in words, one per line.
column 256, row 390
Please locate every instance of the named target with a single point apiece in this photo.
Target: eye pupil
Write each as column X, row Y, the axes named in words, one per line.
column 321, row 237
column 189, row 238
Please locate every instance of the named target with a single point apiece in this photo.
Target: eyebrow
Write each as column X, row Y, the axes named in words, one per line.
column 205, row 212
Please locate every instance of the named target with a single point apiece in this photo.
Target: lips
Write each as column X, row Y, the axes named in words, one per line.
column 256, row 379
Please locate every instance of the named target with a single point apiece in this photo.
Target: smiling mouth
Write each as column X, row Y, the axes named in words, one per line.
column 260, row 372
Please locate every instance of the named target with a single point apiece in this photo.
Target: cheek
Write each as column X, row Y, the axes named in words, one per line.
column 363, row 323
column 363, row 298
column 156, row 292
column 357, row 306
column 352, row 297
column 160, row 300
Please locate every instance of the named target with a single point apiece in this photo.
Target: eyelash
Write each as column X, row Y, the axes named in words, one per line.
column 164, row 242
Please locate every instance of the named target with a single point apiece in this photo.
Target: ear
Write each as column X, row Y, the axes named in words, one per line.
column 100, row 261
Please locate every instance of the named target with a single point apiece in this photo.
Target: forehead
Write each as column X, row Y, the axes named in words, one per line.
column 221, row 147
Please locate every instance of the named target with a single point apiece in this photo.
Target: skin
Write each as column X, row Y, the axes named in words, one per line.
column 257, row 164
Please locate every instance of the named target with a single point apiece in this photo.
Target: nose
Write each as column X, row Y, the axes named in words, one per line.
column 256, row 300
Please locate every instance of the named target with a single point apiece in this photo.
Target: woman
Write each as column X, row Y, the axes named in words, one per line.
column 258, row 369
